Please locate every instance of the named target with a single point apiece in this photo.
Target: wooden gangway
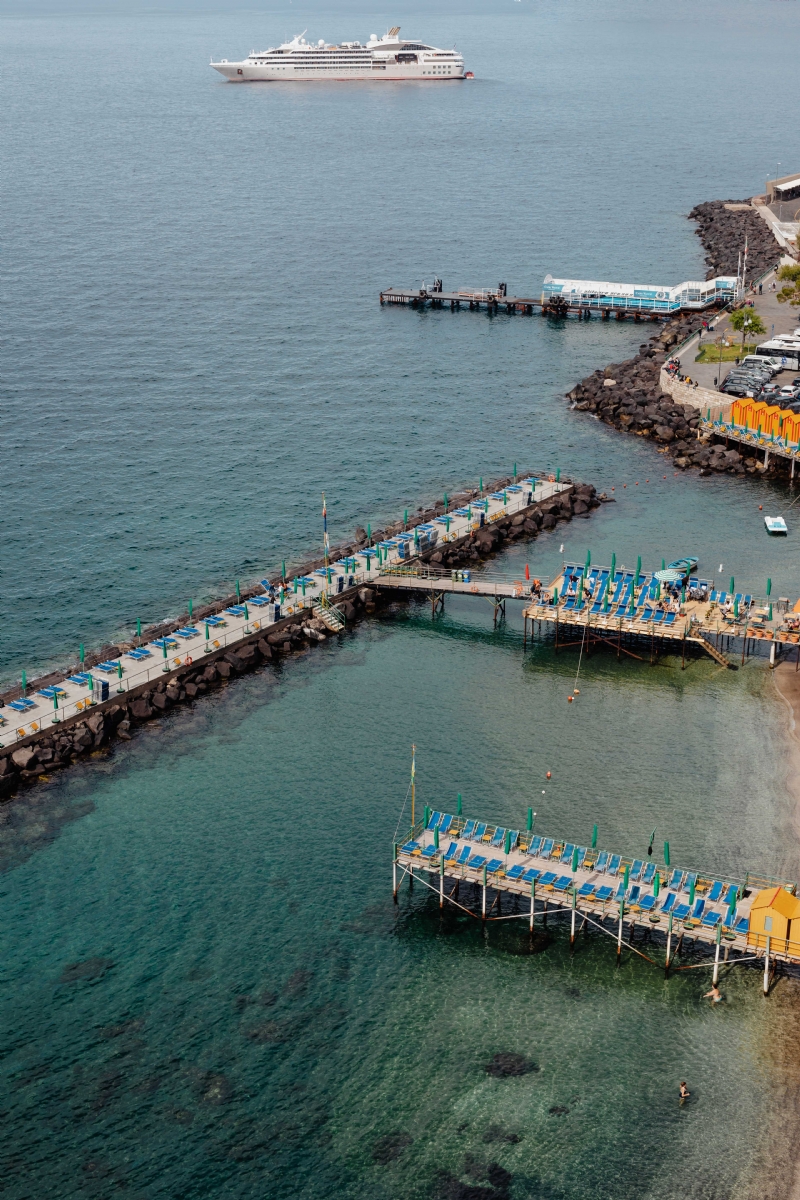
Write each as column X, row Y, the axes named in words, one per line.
column 477, row 867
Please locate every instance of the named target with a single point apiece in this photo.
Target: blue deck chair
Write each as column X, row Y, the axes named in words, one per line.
column 535, row 846
column 548, row 879
column 84, row 677
column 648, row 873
column 109, row 667
column 513, row 839
column 531, row 875
column 748, row 600
column 602, row 861
column 464, row 856
column 410, row 848
column 562, row 883
column 581, row 856
column 515, row 872
column 494, row 865
column 731, row 892
column 647, row 615
column 476, row 861
column 212, row 621
column 21, row 705
column 139, row 654
column 711, row 919
column 445, row 823
column 715, row 893
column 613, row 864
column 635, row 893
column 729, row 920
column 434, row 820
column 468, row 829
column 499, row 835
column 669, row 619
column 620, row 892
column 566, row 853
column 669, row 904
column 480, row 830
column 429, row 851
column 636, row 868
column 742, row 926
column 722, row 597
column 584, row 891
column 647, row 903
column 688, row 881
column 713, row 597
column 697, row 911
column 451, row 851
column 658, row 616
column 547, row 848
column 676, row 880
column 188, row 631
column 680, row 912
column 604, row 894
column 237, row 610
column 570, row 604
column 259, row 601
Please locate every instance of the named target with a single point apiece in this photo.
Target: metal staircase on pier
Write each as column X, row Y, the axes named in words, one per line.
column 330, row 616
column 712, row 650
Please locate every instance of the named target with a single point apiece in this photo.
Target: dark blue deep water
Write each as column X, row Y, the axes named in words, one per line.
column 205, row 988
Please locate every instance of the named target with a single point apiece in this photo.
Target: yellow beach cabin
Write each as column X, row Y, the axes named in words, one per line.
column 775, row 914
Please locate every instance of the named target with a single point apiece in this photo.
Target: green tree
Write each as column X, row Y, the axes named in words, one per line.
column 791, row 289
column 746, row 321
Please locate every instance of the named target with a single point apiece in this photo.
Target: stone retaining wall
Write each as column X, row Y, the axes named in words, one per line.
column 699, row 398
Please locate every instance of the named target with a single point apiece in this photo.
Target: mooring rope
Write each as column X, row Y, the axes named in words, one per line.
column 400, row 818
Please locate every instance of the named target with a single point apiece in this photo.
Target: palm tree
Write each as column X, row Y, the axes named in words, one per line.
column 747, row 321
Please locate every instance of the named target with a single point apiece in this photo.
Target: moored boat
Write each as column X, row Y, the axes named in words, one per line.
column 775, row 525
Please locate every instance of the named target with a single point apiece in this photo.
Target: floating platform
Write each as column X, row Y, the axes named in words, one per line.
column 539, row 876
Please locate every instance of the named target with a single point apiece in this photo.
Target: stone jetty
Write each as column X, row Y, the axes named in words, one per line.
column 629, row 396
column 57, row 746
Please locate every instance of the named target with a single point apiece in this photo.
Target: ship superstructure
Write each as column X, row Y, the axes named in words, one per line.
column 389, row 58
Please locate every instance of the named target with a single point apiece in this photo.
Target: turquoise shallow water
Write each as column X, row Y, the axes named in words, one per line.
column 205, row 987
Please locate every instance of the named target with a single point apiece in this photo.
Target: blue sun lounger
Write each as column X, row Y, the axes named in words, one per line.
column 463, row 857
column 214, row 621
column 445, row 823
column 566, row 853
column 50, row 692
column 476, row 861
column 620, row 892
column 515, row 872
column 688, row 881
column 495, row 864
column 164, row 641
column 451, row 851
column 21, row 705
column 259, row 601
column 410, row 848
column 581, row 856
column 731, row 892
column 697, row 911
column 669, row 904
column 480, row 830
column 658, row 616
column 236, row 610
column 139, row 654
column 531, row 875
column 648, row 874
column 187, row 632
column 83, row 678
column 602, row 861
column 647, row 615
column 635, row 893
column 468, row 829
column 676, row 880
column 680, row 912
column 636, row 868
column 613, row 864
column 585, row 890
column 547, row 848
column 570, row 604
column 548, row 879
column 647, row 903
column 535, row 846
column 108, row 667
column 513, row 838
column 742, row 926
column 604, row 894
column 499, row 834
column 433, row 820
column 715, row 893
column 429, row 851
column 711, row 919
column 562, row 883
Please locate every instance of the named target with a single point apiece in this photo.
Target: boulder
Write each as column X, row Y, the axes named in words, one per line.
column 519, row 519
column 664, row 433
column 160, row 701
column 6, row 766
column 580, row 508
column 82, row 739
column 96, row 723
column 191, row 690
column 274, row 639
column 360, row 535
column 264, row 649
column 436, row 556
column 141, row 710
column 24, row 759
column 223, row 670
column 247, row 654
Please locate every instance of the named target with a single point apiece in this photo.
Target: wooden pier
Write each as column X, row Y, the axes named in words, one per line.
column 492, row 873
column 496, row 300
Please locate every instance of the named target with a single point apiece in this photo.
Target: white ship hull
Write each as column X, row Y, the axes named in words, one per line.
column 389, row 59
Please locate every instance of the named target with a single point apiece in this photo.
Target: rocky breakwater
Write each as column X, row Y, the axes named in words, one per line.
column 723, row 226
column 93, row 731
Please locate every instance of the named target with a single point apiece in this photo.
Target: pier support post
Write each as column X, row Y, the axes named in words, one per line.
column 766, row 968
column 483, row 898
column 619, row 934
column 715, row 976
column 669, row 947
column 394, row 874
column 533, row 901
column 791, row 473
column 524, row 631
column 572, row 926
column 441, row 882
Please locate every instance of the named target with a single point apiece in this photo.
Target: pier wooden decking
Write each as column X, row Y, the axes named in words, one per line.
column 76, row 692
column 540, row 876
column 495, row 300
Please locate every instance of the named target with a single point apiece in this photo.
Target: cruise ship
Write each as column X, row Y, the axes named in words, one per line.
column 387, row 58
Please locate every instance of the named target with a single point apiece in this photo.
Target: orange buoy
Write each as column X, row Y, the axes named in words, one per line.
column 665, row 477
column 613, row 489
column 624, row 485
column 760, row 507
column 577, row 691
column 637, row 482
column 549, row 774
column 527, row 571
column 569, row 698
column 647, row 480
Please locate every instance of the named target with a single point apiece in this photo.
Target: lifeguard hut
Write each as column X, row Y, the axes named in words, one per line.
column 775, row 922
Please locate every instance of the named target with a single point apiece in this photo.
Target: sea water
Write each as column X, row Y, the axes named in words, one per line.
column 206, row 988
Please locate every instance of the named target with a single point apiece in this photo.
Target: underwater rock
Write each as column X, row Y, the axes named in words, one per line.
column 505, row 1064
column 89, row 968
column 390, row 1146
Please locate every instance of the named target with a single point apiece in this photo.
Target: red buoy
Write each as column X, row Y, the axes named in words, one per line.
column 527, row 571
column 549, row 774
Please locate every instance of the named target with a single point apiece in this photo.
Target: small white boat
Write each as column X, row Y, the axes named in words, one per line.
column 775, row 525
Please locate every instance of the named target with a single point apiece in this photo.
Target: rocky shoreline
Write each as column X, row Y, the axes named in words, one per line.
column 628, row 395
column 37, row 757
